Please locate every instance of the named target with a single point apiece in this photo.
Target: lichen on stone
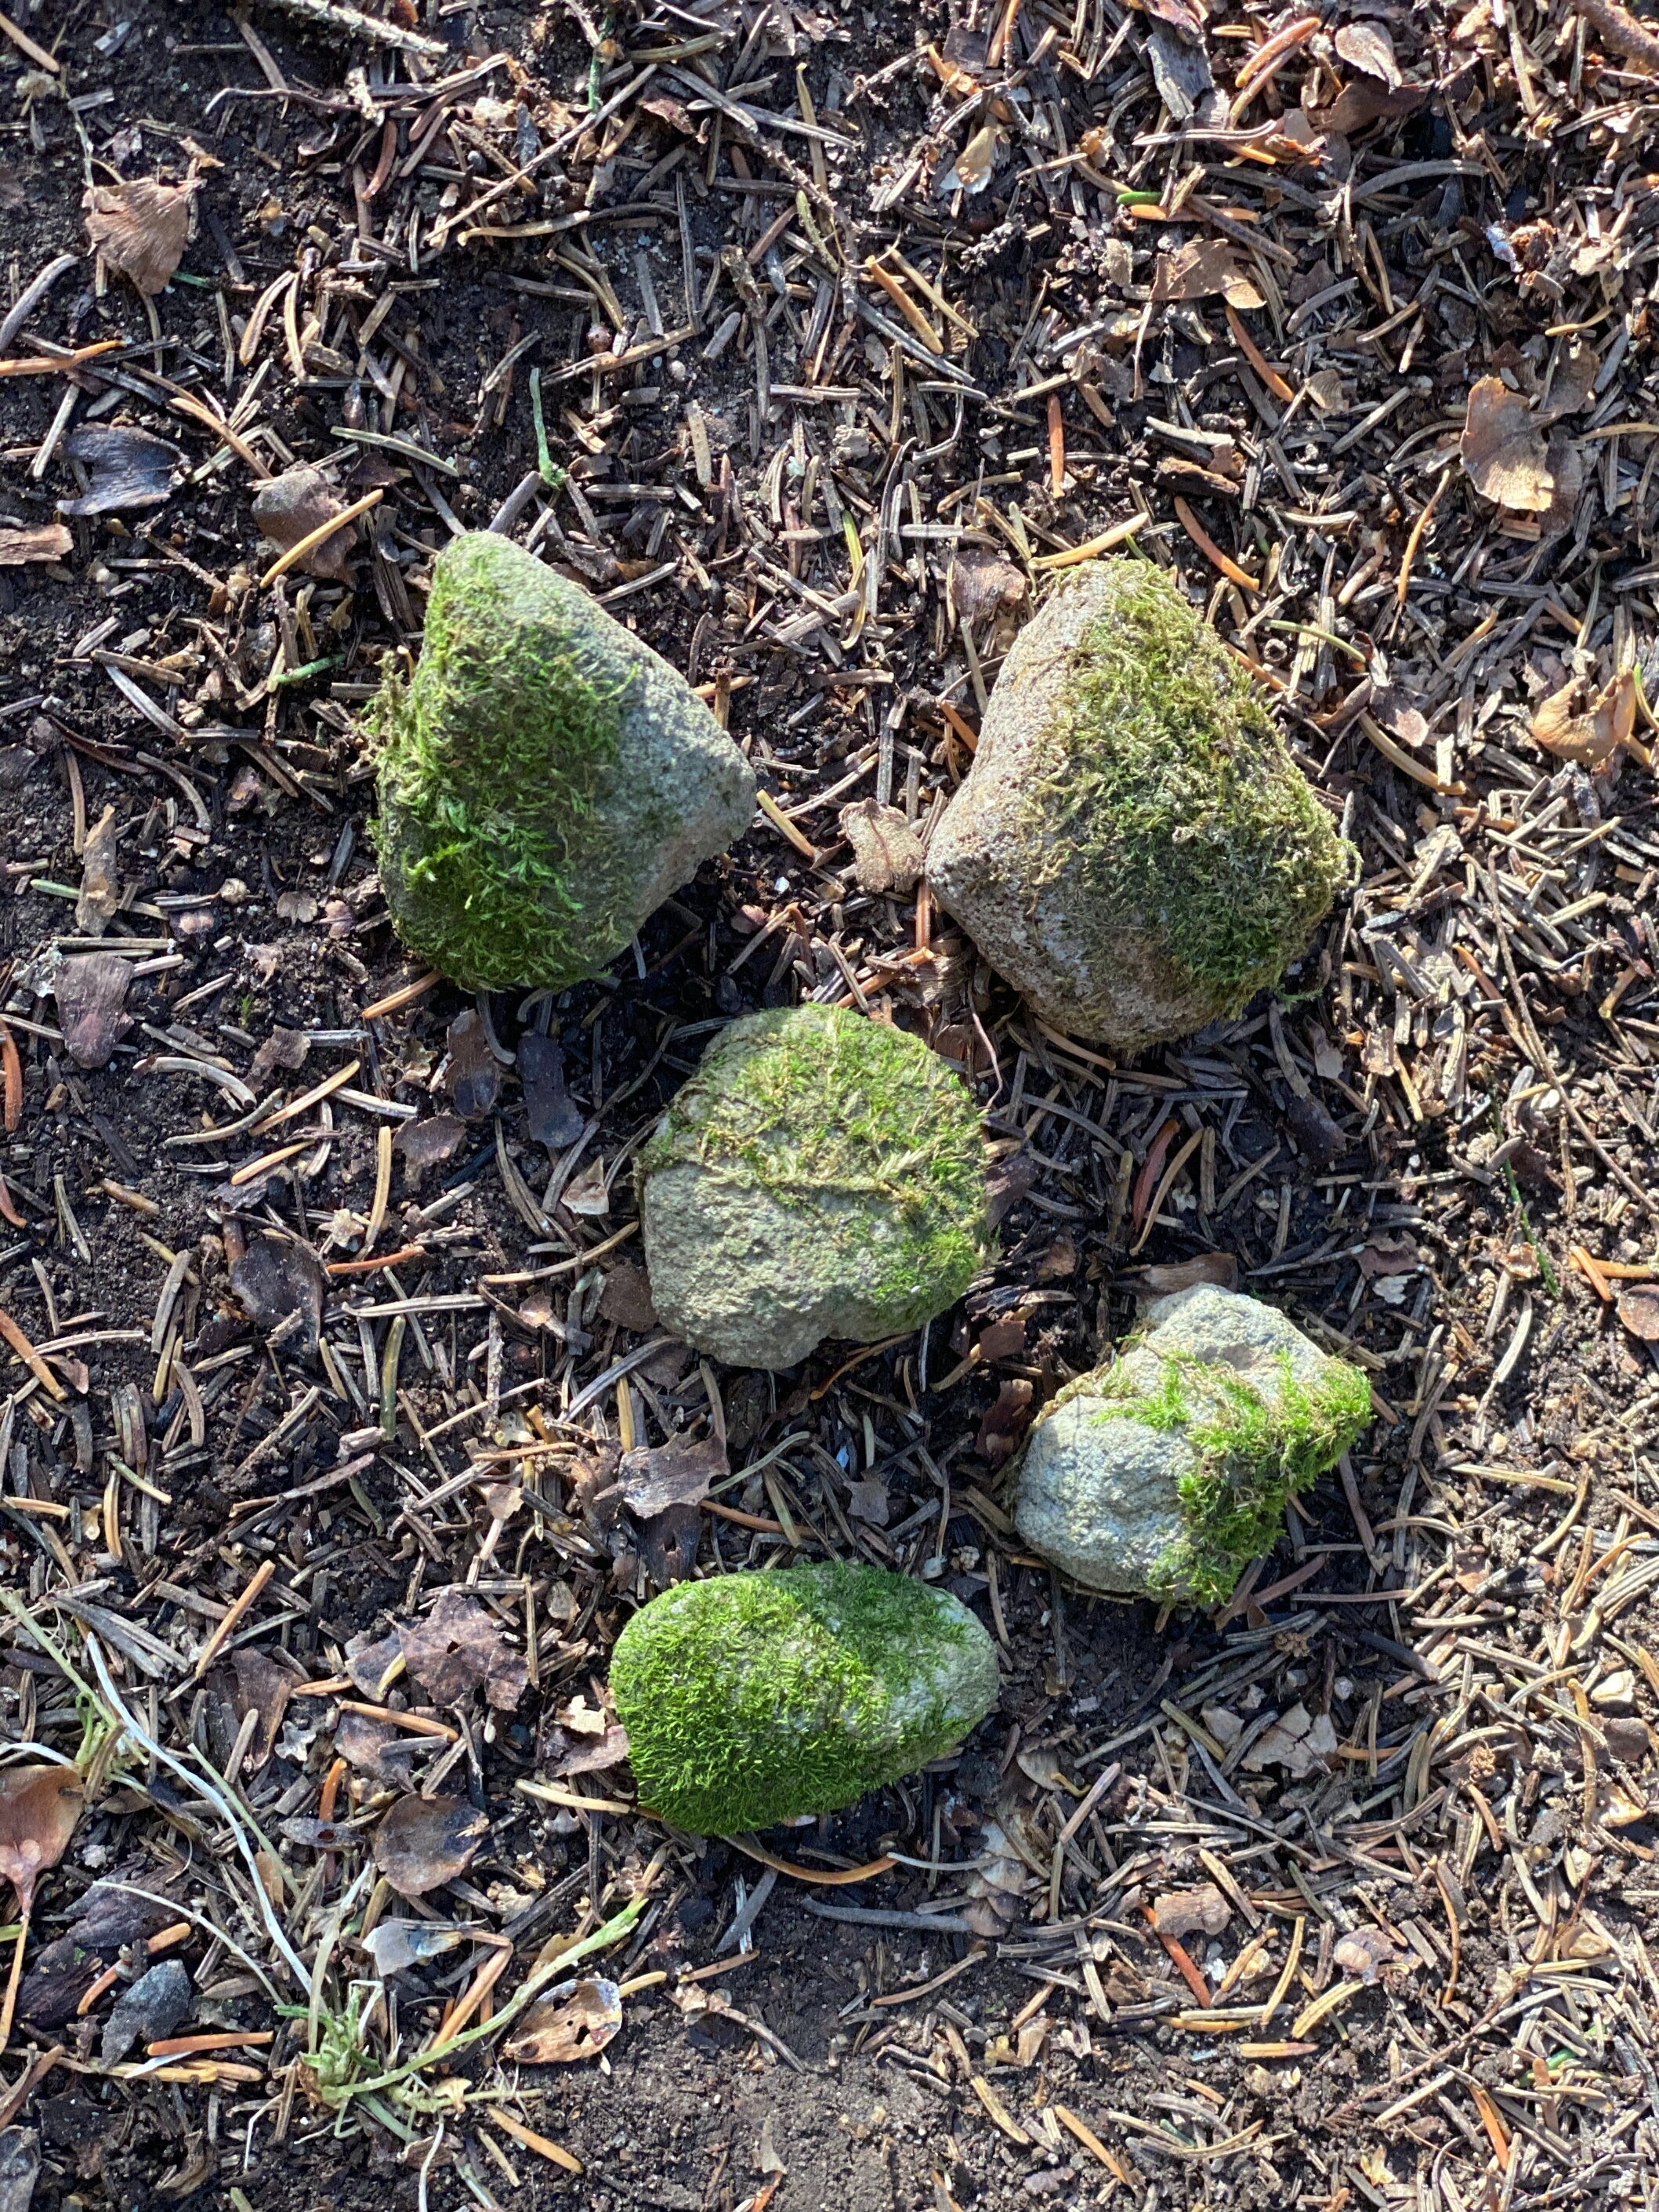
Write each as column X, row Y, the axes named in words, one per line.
column 489, row 757
column 1254, row 1449
column 1167, row 782
column 833, row 1161
column 749, row 1698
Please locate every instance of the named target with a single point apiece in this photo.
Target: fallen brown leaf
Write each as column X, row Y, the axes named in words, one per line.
column 1200, row 268
column 140, row 228
column 291, row 506
column 1588, row 735
column 1639, row 1309
column 887, row 854
column 574, row 2020
column 424, row 1842
column 46, row 541
column 1505, row 451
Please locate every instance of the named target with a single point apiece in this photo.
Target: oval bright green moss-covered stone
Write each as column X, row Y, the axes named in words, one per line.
column 751, row 1698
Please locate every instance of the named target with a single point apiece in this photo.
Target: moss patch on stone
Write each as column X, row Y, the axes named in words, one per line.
column 1254, row 1450
column 490, row 758
column 1176, row 792
column 822, row 1109
column 752, row 1697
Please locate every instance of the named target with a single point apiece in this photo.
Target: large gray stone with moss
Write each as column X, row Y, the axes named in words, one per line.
column 821, row 1175
column 1164, row 1472
column 546, row 778
column 751, row 1698
column 1132, row 848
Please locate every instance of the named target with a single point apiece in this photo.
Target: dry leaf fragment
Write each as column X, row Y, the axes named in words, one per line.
column 1200, row 1911
column 554, row 1117
column 280, row 1283
column 91, row 990
column 887, row 854
column 40, row 1808
column 658, row 1476
column 129, row 469
column 396, row 1944
column 981, row 584
column 1005, row 1421
column 101, row 888
column 475, row 1075
column 20, row 2167
column 427, row 1144
column 1365, row 1952
column 424, row 1842
column 140, row 228
column 1200, row 268
column 574, row 2020
column 291, row 506
column 976, row 164
column 1589, row 736
column 1504, row 449
column 1368, row 46
column 1573, row 386
column 458, row 1648
column 1638, row 1309
column 45, row 541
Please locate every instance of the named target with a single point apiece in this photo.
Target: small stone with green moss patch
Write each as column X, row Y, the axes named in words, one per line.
column 1165, row 1472
column 1133, row 848
column 753, row 1698
column 821, row 1175
column 546, row 778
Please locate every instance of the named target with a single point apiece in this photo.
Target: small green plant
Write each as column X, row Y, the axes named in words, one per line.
column 1254, row 1449
column 750, row 1697
column 1176, row 792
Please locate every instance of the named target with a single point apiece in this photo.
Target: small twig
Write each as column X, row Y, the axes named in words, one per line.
column 355, row 24
column 1621, row 30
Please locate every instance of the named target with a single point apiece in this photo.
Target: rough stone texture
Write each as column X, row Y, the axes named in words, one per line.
column 821, row 1175
column 749, row 1698
column 1100, row 1493
column 1033, row 866
column 546, row 778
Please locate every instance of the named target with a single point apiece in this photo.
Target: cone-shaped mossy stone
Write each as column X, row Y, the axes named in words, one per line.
column 1132, row 848
column 546, row 778
column 1165, row 1472
column 752, row 1697
column 821, row 1175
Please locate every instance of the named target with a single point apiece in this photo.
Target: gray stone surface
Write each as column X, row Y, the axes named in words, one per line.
column 1099, row 1495
column 849, row 1203
column 1022, row 876
column 677, row 792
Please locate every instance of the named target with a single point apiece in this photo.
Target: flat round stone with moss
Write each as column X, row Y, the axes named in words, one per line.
column 1133, row 847
column 753, row 1698
column 1165, row 1472
column 821, row 1175
column 546, row 778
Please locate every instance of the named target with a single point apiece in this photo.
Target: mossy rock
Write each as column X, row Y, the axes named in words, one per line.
column 821, row 1175
column 546, row 778
column 753, row 1698
column 1163, row 1473
column 1132, row 848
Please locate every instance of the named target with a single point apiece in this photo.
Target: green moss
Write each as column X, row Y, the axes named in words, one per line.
column 752, row 1697
column 1178, row 799
column 1254, row 1450
column 821, row 1108
column 489, row 760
